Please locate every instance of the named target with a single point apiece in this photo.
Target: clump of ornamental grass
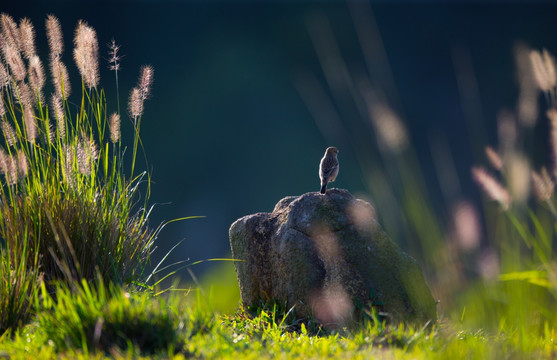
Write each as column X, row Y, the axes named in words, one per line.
column 68, row 209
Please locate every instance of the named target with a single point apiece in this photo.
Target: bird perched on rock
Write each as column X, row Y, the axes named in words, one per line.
column 328, row 168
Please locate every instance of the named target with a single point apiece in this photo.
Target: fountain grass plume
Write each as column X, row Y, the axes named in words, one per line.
column 114, row 128
column 10, row 31
column 543, row 185
column 543, row 65
column 54, row 36
column 27, row 38
column 492, row 187
column 146, row 78
column 13, row 59
column 86, row 54
column 494, row 158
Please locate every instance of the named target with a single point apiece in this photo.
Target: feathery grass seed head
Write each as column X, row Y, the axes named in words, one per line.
column 54, row 36
column 27, row 38
column 86, row 53
column 30, row 126
column 114, row 124
column 8, row 167
column 114, row 58
column 494, row 190
column 3, row 161
column 2, row 106
column 552, row 116
column 23, row 94
column 4, row 76
column 58, row 114
column 389, row 128
column 542, row 185
column 82, row 163
column 11, row 174
column 87, row 153
column 543, row 66
column 146, row 80
column 22, row 165
column 136, row 103
column 10, row 31
column 9, row 133
column 493, row 158
column 68, row 164
column 36, row 75
column 13, row 59
column 60, row 79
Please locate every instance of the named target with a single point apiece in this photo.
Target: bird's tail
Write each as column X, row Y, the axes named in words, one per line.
column 323, row 188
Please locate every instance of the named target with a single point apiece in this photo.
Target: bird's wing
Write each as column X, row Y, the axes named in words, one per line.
column 326, row 171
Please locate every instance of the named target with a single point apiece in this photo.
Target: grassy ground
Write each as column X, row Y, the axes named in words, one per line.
column 206, row 323
column 153, row 328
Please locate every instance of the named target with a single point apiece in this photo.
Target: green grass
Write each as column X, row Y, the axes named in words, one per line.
column 106, row 321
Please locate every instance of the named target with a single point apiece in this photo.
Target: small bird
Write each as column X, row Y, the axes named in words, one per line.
column 328, row 168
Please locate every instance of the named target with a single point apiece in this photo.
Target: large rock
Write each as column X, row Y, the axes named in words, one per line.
column 327, row 256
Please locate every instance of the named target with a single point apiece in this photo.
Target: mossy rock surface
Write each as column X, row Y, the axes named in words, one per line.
column 327, row 256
